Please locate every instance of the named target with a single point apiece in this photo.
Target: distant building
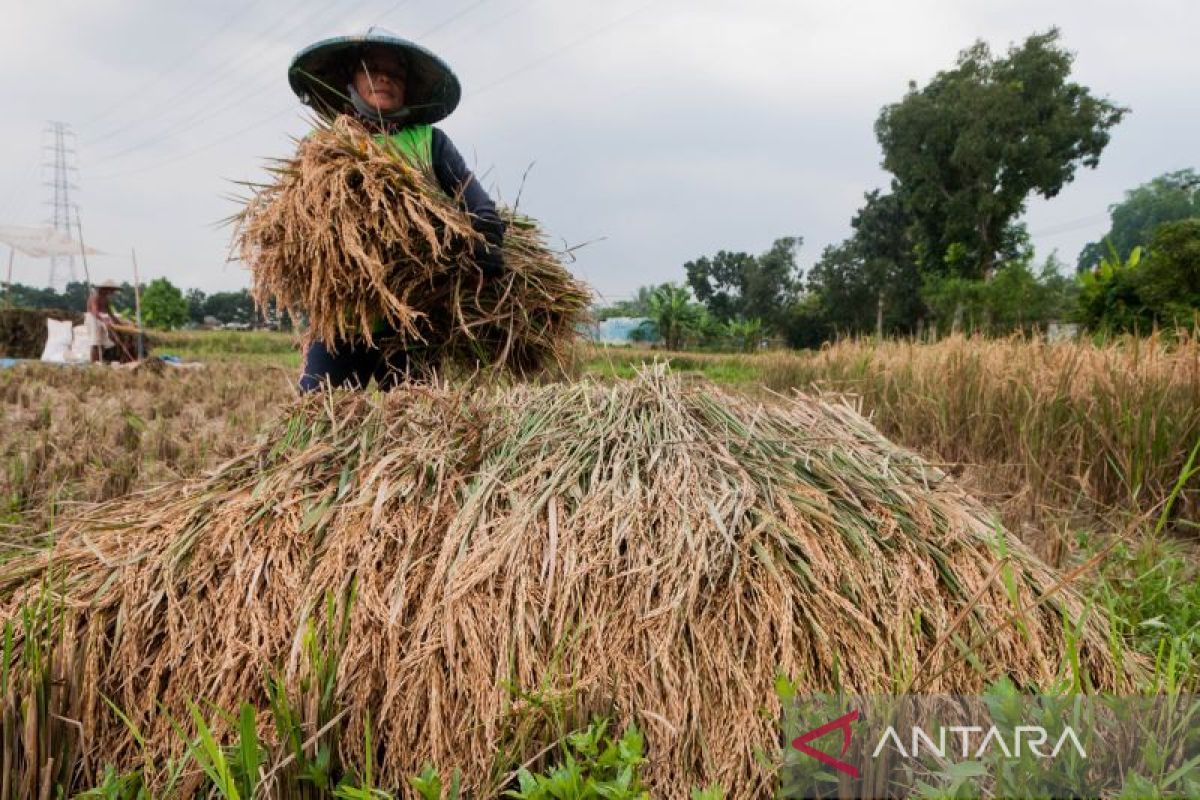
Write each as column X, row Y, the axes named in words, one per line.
column 1062, row 331
column 620, row 330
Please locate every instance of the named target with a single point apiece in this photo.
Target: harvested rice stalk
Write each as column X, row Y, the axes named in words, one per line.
column 351, row 233
column 650, row 550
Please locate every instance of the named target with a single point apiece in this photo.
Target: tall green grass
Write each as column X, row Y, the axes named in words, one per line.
column 257, row 347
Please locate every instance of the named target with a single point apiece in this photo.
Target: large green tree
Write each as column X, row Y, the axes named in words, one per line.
column 1156, row 286
column 24, row 296
column 1169, row 197
column 73, row 297
column 1170, row 280
column 720, row 282
column 844, row 293
column 195, row 300
column 738, row 287
column 230, row 306
column 1016, row 297
column 870, row 282
column 969, row 148
column 163, row 305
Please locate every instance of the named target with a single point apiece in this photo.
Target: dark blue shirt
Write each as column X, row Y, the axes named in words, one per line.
column 456, row 180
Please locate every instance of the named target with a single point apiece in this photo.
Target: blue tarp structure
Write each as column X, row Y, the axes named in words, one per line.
column 7, row 363
column 619, row 330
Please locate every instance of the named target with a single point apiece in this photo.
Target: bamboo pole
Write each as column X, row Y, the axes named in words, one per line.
column 87, row 275
column 12, row 253
column 137, row 302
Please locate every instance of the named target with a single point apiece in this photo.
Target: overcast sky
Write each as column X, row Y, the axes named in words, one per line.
column 666, row 129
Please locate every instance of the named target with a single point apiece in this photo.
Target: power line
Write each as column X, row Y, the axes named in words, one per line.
column 207, row 146
column 185, row 123
column 560, row 50
column 256, row 90
column 210, row 81
column 19, row 191
column 451, row 19
column 525, row 68
column 253, row 90
column 179, row 62
column 490, row 25
column 1071, row 225
column 207, row 81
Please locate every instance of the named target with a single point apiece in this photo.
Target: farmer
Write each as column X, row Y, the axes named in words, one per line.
column 100, row 319
column 397, row 89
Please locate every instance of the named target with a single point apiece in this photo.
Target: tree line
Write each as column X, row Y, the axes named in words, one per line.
column 164, row 306
column 943, row 248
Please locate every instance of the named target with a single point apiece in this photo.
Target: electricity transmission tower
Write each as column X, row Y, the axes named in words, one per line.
column 64, row 216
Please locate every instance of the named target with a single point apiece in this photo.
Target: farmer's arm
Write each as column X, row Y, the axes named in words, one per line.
column 99, row 306
column 113, row 317
column 456, row 179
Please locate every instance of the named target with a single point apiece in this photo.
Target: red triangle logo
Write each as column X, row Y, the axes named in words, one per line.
column 843, row 722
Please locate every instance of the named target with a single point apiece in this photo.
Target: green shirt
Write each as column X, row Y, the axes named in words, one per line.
column 415, row 144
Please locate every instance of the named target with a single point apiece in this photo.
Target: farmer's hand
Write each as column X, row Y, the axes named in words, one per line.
column 488, row 249
column 490, row 259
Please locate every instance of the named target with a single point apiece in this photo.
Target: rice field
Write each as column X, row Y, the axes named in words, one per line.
column 1085, row 455
column 74, row 435
column 1048, row 433
column 1051, row 435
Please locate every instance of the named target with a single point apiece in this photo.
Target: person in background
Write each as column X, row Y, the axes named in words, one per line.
column 397, row 89
column 101, row 320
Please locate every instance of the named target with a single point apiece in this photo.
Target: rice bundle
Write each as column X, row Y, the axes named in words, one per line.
column 351, row 233
column 653, row 550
